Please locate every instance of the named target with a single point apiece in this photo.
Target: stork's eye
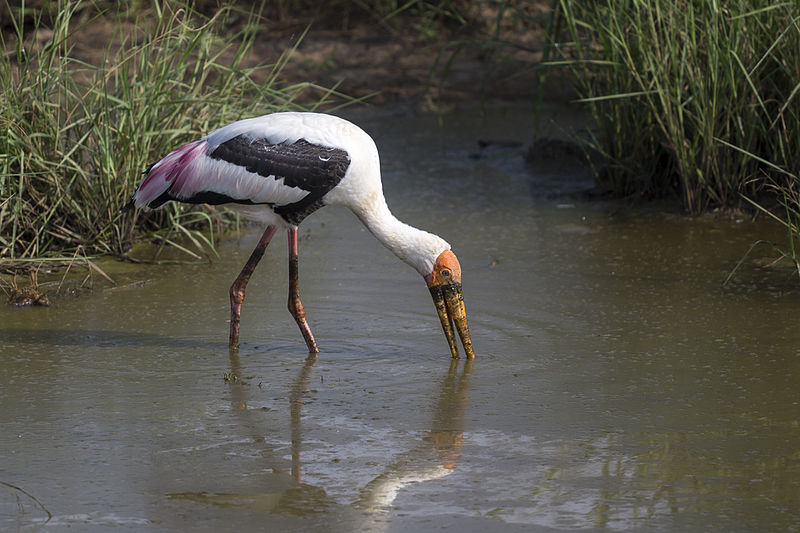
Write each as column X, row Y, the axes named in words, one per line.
column 445, row 273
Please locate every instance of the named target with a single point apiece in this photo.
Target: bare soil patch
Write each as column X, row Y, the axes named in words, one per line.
column 363, row 57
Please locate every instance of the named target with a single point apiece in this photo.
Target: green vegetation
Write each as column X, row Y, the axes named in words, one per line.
column 695, row 99
column 698, row 97
column 75, row 137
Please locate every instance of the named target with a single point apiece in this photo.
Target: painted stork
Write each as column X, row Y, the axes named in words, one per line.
column 278, row 169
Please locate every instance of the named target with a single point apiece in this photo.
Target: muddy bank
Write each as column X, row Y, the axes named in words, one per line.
column 356, row 51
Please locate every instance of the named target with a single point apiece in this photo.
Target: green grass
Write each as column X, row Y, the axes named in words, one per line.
column 75, row 137
column 689, row 97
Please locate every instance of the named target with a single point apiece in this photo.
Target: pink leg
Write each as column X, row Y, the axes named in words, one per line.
column 295, row 306
column 237, row 289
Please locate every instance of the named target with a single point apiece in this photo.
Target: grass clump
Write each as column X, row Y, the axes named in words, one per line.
column 75, row 137
column 689, row 97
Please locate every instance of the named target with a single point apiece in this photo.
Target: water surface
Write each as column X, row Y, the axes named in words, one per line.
column 618, row 383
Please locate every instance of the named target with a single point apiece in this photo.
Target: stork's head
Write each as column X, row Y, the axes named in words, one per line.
column 444, row 283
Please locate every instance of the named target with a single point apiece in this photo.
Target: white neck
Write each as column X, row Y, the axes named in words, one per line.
column 415, row 247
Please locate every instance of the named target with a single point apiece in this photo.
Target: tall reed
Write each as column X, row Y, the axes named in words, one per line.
column 689, row 96
column 75, row 137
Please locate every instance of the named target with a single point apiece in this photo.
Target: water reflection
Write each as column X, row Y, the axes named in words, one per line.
column 296, row 401
column 283, row 494
column 435, row 458
column 441, row 448
column 295, row 408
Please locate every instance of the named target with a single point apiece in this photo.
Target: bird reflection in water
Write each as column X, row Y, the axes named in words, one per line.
column 435, row 458
column 447, row 431
column 439, row 454
column 275, row 490
column 296, row 402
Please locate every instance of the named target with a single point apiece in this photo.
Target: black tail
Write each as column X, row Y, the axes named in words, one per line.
column 127, row 207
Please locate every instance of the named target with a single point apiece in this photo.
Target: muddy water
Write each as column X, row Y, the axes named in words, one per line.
column 618, row 384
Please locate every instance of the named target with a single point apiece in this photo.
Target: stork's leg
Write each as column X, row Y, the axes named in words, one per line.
column 295, row 305
column 237, row 289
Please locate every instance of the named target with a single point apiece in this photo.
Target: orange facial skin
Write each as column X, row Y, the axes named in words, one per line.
column 446, row 270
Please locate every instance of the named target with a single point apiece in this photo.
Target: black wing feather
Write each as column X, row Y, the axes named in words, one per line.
column 301, row 164
column 311, row 167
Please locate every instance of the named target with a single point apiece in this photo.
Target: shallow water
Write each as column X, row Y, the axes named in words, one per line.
column 618, row 383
